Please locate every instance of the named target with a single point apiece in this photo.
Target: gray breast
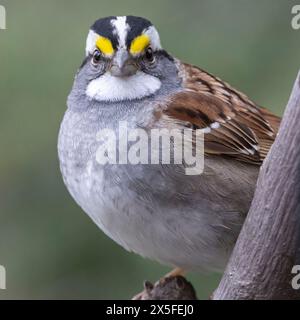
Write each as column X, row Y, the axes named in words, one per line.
column 155, row 210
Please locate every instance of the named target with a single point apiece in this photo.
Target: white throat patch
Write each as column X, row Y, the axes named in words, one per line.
column 110, row 88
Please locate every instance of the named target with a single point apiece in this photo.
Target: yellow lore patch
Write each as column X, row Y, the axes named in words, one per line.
column 105, row 46
column 139, row 44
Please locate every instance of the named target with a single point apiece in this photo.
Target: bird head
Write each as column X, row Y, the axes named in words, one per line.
column 124, row 59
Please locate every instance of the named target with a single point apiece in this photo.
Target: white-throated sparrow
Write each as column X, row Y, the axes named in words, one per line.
column 157, row 211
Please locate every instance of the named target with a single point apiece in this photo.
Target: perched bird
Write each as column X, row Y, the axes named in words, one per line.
column 189, row 222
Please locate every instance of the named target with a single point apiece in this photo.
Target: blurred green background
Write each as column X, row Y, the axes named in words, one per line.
column 50, row 248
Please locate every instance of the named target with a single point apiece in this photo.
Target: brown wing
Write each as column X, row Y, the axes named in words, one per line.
column 234, row 125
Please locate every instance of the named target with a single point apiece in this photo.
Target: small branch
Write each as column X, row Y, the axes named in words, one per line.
column 269, row 243
column 171, row 288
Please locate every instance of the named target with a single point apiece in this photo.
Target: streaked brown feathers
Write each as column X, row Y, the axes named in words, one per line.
column 234, row 126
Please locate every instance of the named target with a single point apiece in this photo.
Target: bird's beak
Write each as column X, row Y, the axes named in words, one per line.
column 123, row 64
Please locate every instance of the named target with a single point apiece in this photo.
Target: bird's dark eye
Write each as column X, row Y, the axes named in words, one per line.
column 149, row 54
column 96, row 57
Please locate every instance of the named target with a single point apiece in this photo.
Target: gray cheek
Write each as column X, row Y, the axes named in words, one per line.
column 162, row 69
column 90, row 72
column 152, row 69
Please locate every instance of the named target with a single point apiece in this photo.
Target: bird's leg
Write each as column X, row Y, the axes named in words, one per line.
column 175, row 273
